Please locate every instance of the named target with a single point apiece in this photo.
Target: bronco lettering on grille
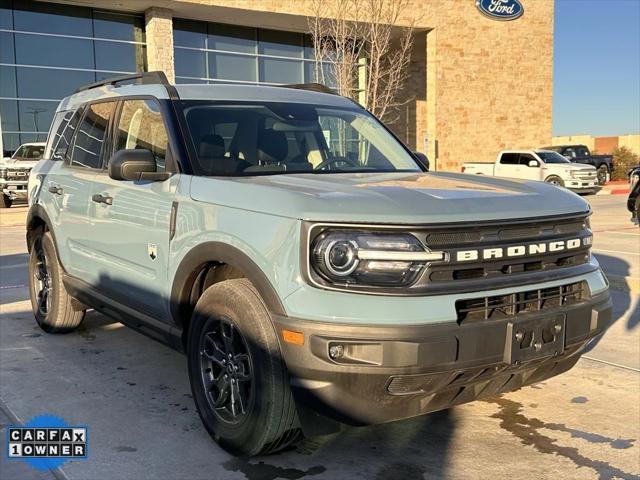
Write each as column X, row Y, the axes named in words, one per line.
column 520, row 250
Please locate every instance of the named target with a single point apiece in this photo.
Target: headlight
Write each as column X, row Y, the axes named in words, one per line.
column 3, row 172
column 362, row 258
column 634, row 179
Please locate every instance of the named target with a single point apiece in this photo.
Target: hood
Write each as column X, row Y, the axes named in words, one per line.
column 16, row 163
column 400, row 198
column 569, row 166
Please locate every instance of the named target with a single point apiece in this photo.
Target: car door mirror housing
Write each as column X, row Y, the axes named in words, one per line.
column 136, row 165
column 534, row 163
column 422, row 159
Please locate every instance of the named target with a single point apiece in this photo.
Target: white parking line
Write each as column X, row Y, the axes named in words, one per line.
column 615, row 251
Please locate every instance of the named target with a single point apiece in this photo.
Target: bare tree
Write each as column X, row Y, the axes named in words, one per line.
column 360, row 49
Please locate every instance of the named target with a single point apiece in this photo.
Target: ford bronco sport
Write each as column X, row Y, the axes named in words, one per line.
column 302, row 257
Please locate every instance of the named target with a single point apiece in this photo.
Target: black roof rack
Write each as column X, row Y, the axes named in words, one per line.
column 313, row 87
column 144, row 78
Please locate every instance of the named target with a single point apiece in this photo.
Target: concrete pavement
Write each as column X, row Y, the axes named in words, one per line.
column 133, row 393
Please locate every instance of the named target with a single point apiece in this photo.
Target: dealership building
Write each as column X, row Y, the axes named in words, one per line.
column 475, row 85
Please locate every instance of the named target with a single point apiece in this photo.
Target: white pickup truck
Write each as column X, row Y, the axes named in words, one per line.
column 543, row 165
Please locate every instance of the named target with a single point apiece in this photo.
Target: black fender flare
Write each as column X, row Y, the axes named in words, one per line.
column 218, row 252
column 37, row 212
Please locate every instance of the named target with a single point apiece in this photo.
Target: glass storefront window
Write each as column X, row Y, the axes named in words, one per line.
column 275, row 42
column 220, row 53
column 48, row 50
column 231, row 38
column 277, row 70
column 53, row 51
column 29, row 16
column 225, row 66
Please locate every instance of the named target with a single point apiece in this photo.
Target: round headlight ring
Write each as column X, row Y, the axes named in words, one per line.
column 341, row 257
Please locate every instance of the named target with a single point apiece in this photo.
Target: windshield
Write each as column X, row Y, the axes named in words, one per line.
column 552, row 157
column 29, row 152
column 277, row 138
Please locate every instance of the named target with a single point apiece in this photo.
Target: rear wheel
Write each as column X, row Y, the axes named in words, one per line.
column 238, row 378
column 555, row 180
column 603, row 173
column 53, row 308
column 5, row 201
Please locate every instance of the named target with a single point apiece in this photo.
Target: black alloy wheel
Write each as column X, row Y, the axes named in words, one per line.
column 226, row 371
column 42, row 279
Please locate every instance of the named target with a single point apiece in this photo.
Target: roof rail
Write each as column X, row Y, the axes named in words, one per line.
column 144, row 78
column 313, row 87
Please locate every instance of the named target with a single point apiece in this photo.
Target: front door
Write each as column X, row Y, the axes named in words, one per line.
column 131, row 219
column 527, row 171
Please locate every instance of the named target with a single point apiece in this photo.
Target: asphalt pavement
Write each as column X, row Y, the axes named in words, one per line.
column 134, row 396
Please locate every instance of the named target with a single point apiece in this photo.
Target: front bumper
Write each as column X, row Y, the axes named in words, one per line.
column 582, row 186
column 393, row 372
column 14, row 189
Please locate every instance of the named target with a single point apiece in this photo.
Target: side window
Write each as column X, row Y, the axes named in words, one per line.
column 509, row 159
column 582, row 152
column 140, row 126
column 570, row 152
column 92, row 131
column 59, row 142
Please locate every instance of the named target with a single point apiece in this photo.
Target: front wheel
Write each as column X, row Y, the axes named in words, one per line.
column 603, row 174
column 555, row 180
column 5, row 201
column 238, row 378
column 54, row 309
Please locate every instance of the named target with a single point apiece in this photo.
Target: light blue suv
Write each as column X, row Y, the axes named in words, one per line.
column 302, row 257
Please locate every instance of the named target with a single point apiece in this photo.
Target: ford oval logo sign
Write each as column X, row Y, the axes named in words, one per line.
column 501, row 9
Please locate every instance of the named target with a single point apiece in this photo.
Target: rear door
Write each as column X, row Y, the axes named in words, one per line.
column 131, row 230
column 68, row 186
column 508, row 166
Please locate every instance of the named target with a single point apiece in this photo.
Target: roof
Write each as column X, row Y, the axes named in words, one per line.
column 208, row 92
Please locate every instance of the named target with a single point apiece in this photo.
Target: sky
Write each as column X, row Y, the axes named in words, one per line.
column 596, row 67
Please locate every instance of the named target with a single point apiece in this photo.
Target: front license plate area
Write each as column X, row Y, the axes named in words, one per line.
column 534, row 338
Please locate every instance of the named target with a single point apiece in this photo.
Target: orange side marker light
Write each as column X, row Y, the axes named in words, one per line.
column 296, row 338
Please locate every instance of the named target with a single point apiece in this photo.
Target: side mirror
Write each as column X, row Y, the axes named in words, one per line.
column 135, row 165
column 534, row 163
column 422, row 159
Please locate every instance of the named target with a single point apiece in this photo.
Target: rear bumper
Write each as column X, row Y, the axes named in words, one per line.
column 393, row 372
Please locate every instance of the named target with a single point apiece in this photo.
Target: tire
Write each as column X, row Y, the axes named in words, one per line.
column 264, row 420
column 555, row 180
column 52, row 306
column 5, row 201
column 602, row 173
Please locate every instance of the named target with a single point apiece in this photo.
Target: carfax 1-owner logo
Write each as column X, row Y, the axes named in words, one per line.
column 46, row 442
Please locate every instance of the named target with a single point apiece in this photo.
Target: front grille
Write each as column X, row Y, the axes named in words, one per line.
column 503, row 306
column 17, row 174
column 502, row 268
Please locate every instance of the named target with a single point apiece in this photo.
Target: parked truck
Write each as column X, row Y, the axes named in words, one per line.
column 14, row 172
column 581, row 154
column 542, row 165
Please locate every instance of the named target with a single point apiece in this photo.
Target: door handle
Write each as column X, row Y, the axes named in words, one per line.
column 102, row 199
column 56, row 190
